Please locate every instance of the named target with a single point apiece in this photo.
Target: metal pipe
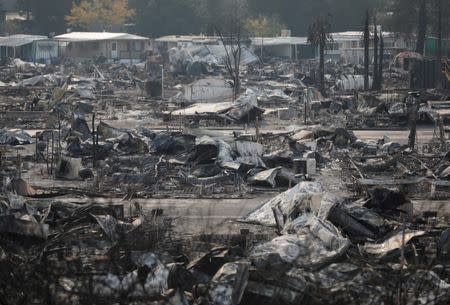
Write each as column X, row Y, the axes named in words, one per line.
column 162, row 82
column 94, row 148
column 53, row 151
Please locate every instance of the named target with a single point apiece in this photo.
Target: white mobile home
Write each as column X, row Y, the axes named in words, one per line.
column 120, row 47
column 348, row 47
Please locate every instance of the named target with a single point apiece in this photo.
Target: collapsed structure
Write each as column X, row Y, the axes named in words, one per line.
column 143, row 184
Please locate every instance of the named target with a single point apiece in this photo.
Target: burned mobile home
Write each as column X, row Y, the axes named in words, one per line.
column 218, row 171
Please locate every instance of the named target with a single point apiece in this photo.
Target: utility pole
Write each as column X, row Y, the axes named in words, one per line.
column 366, row 52
column 439, row 29
column 381, row 62
column 375, row 55
column 162, row 82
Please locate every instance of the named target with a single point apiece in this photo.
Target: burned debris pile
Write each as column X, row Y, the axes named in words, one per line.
column 326, row 197
column 329, row 249
column 72, row 252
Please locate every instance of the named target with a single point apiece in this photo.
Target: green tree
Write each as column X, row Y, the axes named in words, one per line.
column 104, row 13
column 263, row 26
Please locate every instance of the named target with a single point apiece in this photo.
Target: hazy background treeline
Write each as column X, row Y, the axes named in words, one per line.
column 156, row 18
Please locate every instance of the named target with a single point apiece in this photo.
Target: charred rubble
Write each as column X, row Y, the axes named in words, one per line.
column 351, row 219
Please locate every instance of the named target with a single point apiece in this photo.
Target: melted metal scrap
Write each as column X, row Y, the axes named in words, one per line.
column 229, row 284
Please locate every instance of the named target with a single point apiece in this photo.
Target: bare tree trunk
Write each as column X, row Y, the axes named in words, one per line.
column 237, row 82
column 366, row 52
column 322, row 66
column 233, row 49
column 422, row 28
column 237, row 63
column 439, row 34
column 233, row 61
column 381, row 63
column 375, row 56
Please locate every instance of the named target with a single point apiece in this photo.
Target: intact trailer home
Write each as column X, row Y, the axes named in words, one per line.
column 30, row 48
column 115, row 47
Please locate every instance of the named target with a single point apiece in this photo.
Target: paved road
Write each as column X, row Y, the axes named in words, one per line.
column 219, row 215
column 216, row 216
column 401, row 136
column 441, row 207
column 424, row 134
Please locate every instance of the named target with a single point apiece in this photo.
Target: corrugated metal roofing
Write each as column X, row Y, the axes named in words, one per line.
column 202, row 108
column 188, row 38
column 278, row 41
column 337, row 37
column 97, row 36
column 355, row 35
column 19, row 40
column 217, row 54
